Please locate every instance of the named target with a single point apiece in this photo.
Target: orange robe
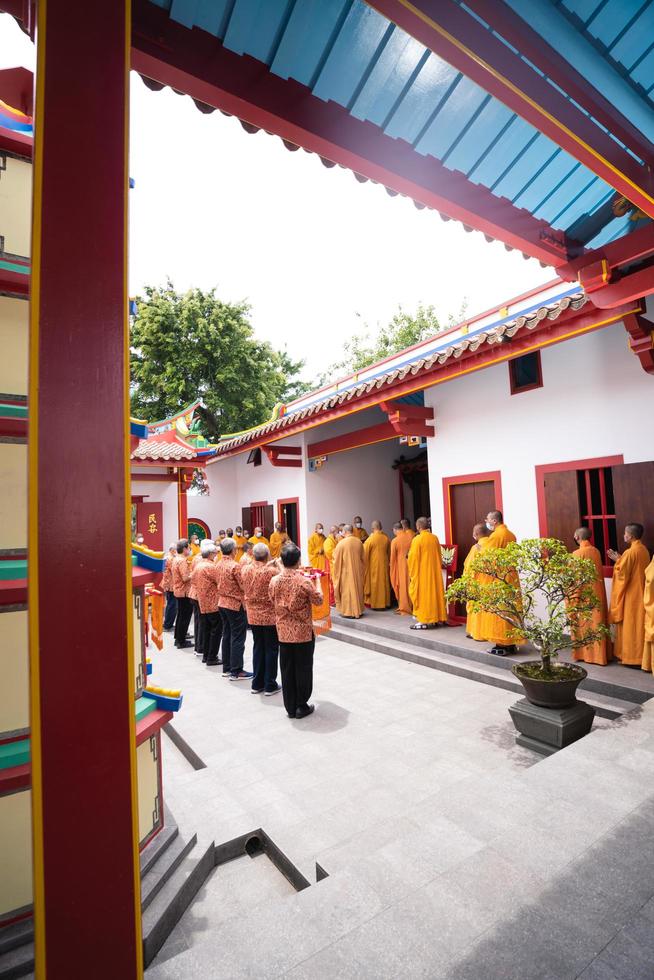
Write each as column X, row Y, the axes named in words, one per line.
column 599, row 652
column 426, row 588
column 317, row 551
column 492, row 627
column 329, row 548
column 240, row 541
column 262, row 540
column 400, row 570
column 277, row 539
column 627, row 606
column 360, row 533
column 349, row 568
column 377, row 585
column 474, row 620
column 648, row 600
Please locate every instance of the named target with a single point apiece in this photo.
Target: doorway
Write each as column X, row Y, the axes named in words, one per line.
column 259, row 514
column 287, row 515
column 467, row 501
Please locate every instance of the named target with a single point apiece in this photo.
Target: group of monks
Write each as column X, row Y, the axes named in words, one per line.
column 246, row 541
column 364, row 567
column 631, row 608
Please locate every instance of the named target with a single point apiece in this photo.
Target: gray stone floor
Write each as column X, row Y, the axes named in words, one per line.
column 451, row 853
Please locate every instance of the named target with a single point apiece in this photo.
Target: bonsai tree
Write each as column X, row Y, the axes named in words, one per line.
column 543, row 592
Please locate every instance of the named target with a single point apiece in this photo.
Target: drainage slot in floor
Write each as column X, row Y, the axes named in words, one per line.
column 180, row 743
column 253, row 846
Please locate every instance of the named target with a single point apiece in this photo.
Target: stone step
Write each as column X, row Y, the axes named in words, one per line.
column 435, row 640
column 451, row 663
column 17, row 962
column 173, row 898
column 16, row 934
column 164, row 868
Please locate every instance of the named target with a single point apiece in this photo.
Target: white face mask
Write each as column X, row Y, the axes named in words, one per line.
column 489, row 526
column 319, row 530
column 358, row 524
column 257, row 534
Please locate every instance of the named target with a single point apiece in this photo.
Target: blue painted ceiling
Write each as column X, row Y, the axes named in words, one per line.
column 345, row 51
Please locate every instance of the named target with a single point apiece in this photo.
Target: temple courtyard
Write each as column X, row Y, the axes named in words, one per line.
column 443, row 849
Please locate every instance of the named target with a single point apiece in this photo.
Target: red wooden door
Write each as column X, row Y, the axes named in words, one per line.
column 246, row 518
column 149, row 523
column 469, row 502
column 562, row 506
column 633, row 489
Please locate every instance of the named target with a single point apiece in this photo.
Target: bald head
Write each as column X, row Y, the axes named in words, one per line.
column 376, row 526
column 260, row 552
column 635, row 532
column 405, row 524
column 480, row 531
column 582, row 534
column 347, row 529
column 422, row 523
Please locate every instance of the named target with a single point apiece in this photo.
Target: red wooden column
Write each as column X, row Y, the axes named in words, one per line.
column 182, row 503
column 87, row 892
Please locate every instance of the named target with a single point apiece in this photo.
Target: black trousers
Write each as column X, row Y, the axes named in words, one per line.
column 235, row 626
column 184, row 613
column 197, row 627
column 211, row 626
column 296, row 662
column 264, row 658
column 171, row 611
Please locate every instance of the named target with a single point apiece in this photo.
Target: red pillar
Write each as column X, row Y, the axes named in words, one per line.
column 87, row 891
column 182, row 504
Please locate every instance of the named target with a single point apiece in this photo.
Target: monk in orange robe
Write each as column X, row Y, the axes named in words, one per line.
column 358, row 530
column 240, row 539
column 493, row 628
column 481, row 537
column 400, row 569
column 426, row 588
column 377, row 584
column 317, row 556
column 406, row 526
column 349, row 569
column 277, row 539
column 627, row 606
column 599, row 652
column 648, row 601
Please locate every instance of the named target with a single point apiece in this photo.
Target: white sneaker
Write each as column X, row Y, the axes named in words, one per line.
column 269, row 694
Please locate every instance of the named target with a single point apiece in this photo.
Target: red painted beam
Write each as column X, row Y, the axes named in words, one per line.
column 547, row 59
column 407, row 411
column 152, row 724
column 641, row 339
column 154, row 478
column 629, row 289
column 275, row 450
column 623, row 251
column 84, row 791
column 195, row 62
column 13, row 428
column 353, row 440
column 457, row 37
column 293, row 463
column 13, row 592
column 15, row 779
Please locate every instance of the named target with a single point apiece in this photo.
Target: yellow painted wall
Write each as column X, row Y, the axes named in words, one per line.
column 148, row 781
column 15, row 852
column 14, row 343
column 13, row 495
column 15, row 206
column 14, row 676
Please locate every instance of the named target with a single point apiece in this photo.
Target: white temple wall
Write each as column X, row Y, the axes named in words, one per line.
column 166, row 493
column 219, row 508
column 596, row 401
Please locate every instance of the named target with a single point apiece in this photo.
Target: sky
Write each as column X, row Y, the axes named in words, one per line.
column 317, row 254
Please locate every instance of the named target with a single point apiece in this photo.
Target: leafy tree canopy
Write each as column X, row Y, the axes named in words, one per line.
column 185, row 346
column 404, row 330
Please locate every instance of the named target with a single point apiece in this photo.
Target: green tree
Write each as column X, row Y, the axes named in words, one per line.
column 404, row 330
column 194, row 345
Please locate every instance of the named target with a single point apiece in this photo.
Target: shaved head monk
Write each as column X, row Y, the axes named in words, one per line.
column 406, row 526
column 426, row 586
column 358, row 530
column 494, row 629
column 349, row 569
column 399, row 569
column 377, row 583
column 600, row 651
column 627, row 606
column 480, row 537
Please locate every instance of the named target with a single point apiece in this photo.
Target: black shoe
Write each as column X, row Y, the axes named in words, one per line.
column 291, row 716
column 212, row 663
column 185, row 644
column 304, row 712
column 204, row 659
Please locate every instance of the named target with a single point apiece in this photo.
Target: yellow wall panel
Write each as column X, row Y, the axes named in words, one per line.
column 148, row 781
column 15, row 851
column 14, row 672
column 16, row 206
column 14, row 343
column 13, row 495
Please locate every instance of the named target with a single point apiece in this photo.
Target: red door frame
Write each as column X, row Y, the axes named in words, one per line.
column 256, row 503
column 494, row 477
column 571, row 464
column 290, row 500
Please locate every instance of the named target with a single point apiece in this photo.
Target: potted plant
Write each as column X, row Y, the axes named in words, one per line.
column 546, row 596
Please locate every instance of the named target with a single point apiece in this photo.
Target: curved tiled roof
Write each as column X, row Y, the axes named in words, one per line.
column 422, row 365
column 153, row 451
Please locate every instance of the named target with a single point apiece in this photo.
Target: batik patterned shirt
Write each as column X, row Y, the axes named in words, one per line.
column 181, row 576
column 204, row 582
column 256, row 577
column 293, row 595
column 227, row 575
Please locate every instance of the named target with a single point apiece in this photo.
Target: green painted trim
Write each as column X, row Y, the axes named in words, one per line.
column 13, row 411
column 14, row 753
column 143, row 707
column 13, row 569
column 14, row 267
